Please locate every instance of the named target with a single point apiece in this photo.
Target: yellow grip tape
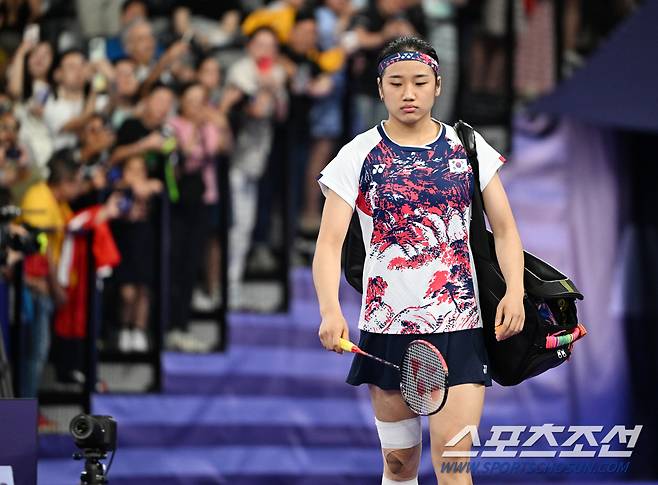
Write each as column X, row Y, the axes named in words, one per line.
column 346, row 345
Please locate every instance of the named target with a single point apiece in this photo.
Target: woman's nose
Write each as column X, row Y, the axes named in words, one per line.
column 408, row 94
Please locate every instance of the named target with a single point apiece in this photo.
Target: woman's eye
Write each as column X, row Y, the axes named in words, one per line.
column 421, row 84
column 396, row 84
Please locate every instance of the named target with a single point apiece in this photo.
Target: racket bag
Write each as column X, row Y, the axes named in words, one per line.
column 551, row 320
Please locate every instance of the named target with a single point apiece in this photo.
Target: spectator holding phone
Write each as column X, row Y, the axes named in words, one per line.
column 135, row 238
column 124, row 92
column 307, row 83
column 208, row 297
column 92, row 153
column 68, row 109
column 29, row 70
column 255, row 94
column 29, row 85
column 143, row 134
column 200, row 141
column 209, row 74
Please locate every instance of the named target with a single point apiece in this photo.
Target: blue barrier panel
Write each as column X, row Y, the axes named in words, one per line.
column 18, row 440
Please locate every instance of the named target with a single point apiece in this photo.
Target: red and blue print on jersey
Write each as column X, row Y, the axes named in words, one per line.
column 414, row 205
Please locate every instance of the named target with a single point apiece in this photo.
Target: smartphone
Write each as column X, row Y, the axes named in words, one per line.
column 98, row 84
column 41, row 94
column 127, row 201
column 97, row 49
column 32, row 34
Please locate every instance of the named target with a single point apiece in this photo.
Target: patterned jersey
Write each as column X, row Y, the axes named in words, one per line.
column 414, row 205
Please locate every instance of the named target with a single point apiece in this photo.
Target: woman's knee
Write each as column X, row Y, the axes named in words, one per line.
column 400, row 435
column 401, row 465
column 401, row 443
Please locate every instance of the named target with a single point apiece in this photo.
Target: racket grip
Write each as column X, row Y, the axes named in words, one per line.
column 347, row 346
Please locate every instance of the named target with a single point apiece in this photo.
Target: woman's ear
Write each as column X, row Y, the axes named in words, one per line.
column 438, row 86
column 379, row 88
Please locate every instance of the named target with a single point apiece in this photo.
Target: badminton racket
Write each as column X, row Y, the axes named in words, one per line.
column 423, row 375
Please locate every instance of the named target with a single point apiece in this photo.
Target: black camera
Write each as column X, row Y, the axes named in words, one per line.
column 28, row 243
column 97, row 433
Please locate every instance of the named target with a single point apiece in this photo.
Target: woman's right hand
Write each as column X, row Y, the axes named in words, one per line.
column 332, row 328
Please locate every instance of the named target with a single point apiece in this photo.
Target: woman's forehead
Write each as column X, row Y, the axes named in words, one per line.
column 408, row 69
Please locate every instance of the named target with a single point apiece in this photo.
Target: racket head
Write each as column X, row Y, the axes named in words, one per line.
column 424, row 378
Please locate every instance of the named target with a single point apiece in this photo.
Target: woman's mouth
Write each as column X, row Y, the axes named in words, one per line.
column 409, row 109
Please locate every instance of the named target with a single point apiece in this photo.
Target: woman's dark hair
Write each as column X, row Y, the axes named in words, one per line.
column 408, row 44
column 207, row 57
column 262, row 28
column 128, row 3
column 183, row 88
column 62, row 167
column 186, row 87
column 27, row 76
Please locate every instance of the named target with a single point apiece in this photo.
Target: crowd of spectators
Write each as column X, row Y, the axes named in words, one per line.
column 110, row 108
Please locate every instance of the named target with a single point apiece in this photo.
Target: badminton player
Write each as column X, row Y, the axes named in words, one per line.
column 410, row 183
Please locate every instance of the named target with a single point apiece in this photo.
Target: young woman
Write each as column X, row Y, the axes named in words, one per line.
column 410, row 183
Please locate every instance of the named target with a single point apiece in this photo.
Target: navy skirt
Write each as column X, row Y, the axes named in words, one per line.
column 463, row 351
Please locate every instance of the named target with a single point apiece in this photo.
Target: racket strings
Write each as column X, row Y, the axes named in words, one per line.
column 424, row 378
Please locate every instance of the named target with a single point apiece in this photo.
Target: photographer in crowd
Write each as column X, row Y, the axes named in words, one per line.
column 46, row 207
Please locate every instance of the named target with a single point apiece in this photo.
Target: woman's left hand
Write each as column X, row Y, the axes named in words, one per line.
column 510, row 316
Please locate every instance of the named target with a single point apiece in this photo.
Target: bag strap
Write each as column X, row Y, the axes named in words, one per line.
column 478, row 229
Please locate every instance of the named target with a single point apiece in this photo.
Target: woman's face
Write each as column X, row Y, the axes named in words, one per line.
column 337, row 5
column 125, row 79
column 208, row 74
column 193, row 102
column 409, row 89
column 263, row 45
column 134, row 170
column 158, row 106
column 8, row 130
column 40, row 60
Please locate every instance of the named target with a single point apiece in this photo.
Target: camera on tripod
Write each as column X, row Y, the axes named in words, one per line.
column 97, row 433
column 95, row 436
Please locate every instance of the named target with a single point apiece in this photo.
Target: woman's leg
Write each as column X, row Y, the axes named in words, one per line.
column 39, row 343
column 213, row 272
column 128, row 302
column 463, row 408
column 320, row 155
column 142, row 306
column 400, row 434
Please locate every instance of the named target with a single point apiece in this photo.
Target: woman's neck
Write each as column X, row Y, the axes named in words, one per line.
column 70, row 95
column 420, row 133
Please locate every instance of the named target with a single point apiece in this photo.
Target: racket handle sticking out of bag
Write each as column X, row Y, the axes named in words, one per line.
column 423, row 375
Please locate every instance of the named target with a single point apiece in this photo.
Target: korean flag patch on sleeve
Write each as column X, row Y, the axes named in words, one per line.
column 458, row 165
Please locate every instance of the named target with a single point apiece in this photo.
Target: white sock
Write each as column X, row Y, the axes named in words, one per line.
column 388, row 481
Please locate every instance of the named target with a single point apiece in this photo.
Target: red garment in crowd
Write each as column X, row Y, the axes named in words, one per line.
column 73, row 271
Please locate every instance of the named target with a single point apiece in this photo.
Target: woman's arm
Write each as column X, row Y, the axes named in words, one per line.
column 326, row 270
column 509, row 251
column 15, row 71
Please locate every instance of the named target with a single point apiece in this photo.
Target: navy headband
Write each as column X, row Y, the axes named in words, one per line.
column 408, row 56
